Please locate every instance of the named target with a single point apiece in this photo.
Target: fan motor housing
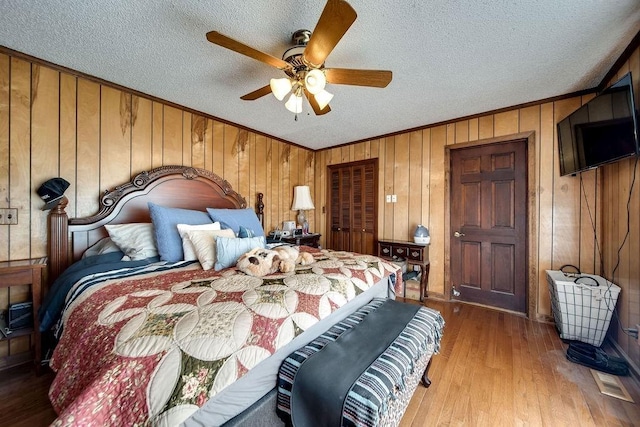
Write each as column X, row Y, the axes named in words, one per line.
column 301, row 37
column 293, row 55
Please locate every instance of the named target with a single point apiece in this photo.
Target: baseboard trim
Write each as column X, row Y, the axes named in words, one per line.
column 436, row 295
column 634, row 369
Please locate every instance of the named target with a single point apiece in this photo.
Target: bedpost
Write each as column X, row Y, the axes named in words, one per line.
column 58, row 240
column 260, row 209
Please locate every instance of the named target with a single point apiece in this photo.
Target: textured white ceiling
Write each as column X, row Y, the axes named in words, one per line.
column 449, row 58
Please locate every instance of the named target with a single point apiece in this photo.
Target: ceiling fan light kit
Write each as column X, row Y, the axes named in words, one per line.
column 280, row 87
column 323, row 98
column 294, row 104
column 315, row 81
column 304, row 62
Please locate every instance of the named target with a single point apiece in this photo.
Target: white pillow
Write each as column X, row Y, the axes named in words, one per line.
column 204, row 243
column 135, row 240
column 101, row 247
column 187, row 246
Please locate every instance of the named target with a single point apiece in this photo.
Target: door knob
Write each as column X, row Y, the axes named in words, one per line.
column 458, row 234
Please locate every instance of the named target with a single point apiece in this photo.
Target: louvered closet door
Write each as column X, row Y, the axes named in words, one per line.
column 363, row 212
column 353, row 206
column 340, row 209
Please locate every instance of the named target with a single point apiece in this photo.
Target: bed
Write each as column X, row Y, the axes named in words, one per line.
column 148, row 338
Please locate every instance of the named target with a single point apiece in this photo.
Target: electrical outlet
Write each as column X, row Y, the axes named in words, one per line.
column 8, row 216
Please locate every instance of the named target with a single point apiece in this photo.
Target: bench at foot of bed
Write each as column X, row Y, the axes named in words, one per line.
column 363, row 370
column 425, row 377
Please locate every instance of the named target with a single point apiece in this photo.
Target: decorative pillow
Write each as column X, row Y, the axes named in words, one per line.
column 102, row 246
column 135, row 240
column 245, row 232
column 165, row 221
column 229, row 250
column 234, row 218
column 187, row 247
column 204, row 243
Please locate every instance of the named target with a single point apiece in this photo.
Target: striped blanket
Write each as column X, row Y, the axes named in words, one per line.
column 381, row 390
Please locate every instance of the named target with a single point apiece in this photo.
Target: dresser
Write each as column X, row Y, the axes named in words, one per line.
column 412, row 253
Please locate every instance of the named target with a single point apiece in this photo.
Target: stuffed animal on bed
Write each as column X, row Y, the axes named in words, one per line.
column 260, row 262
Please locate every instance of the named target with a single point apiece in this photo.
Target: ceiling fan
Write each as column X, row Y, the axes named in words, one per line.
column 304, row 62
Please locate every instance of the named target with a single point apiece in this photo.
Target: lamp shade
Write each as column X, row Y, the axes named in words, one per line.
column 315, row 81
column 301, row 198
column 280, row 87
column 294, row 104
column 323, row 98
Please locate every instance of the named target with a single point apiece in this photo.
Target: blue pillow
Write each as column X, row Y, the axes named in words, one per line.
column 165, row 222
column 234, row 218
column 245, row 232
column 228, row 250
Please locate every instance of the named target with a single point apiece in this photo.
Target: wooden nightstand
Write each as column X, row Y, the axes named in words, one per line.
column 413, row 253
column 312, row 240
column 19, row 274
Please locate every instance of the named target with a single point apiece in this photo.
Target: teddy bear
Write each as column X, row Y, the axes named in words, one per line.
column 260, row 262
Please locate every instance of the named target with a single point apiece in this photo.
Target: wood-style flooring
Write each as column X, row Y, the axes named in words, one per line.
column 494, row 369
column 499, row 369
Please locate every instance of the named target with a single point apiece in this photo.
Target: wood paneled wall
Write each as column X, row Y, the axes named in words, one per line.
column 411, row 165
column 579, row 220
column 55, row 123
column 621, row 252
column 96, row 136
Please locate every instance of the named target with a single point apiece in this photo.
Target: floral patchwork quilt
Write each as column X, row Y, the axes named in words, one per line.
column 152, row 349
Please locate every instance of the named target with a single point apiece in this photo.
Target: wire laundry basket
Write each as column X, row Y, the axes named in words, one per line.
column 582, row 305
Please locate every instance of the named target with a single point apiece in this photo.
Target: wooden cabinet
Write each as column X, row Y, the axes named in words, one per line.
column 353, row 197
column 413, row 253
column 21, row 281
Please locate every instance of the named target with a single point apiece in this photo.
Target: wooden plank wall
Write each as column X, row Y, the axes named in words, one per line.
column 411, row 165
column 53, row 123
column 621, row 251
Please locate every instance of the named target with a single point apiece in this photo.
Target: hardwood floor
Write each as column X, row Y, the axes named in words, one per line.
column 494, row 369
column 499, row 369
column 23, row 398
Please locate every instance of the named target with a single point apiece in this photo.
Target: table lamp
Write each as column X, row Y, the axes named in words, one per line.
column 302, row 202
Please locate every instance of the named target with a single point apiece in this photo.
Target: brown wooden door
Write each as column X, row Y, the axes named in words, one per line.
column 353, row 206
column 489, row 223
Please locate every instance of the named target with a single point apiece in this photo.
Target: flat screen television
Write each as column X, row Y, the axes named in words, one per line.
column 603, row 130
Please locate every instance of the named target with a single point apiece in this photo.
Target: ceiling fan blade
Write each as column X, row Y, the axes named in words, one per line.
column 335, row 20
column 259, row 93
column 347, row 76
column 315, row 106
column 224, row 41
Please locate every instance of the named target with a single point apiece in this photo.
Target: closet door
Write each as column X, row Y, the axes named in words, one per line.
column 340, row 209
column 363, row 217
column 353, row 206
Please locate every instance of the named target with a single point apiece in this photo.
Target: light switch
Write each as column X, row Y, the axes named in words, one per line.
column 394, row 198
column 388, row 198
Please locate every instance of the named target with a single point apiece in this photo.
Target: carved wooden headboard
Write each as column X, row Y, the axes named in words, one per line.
column 171, row 186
